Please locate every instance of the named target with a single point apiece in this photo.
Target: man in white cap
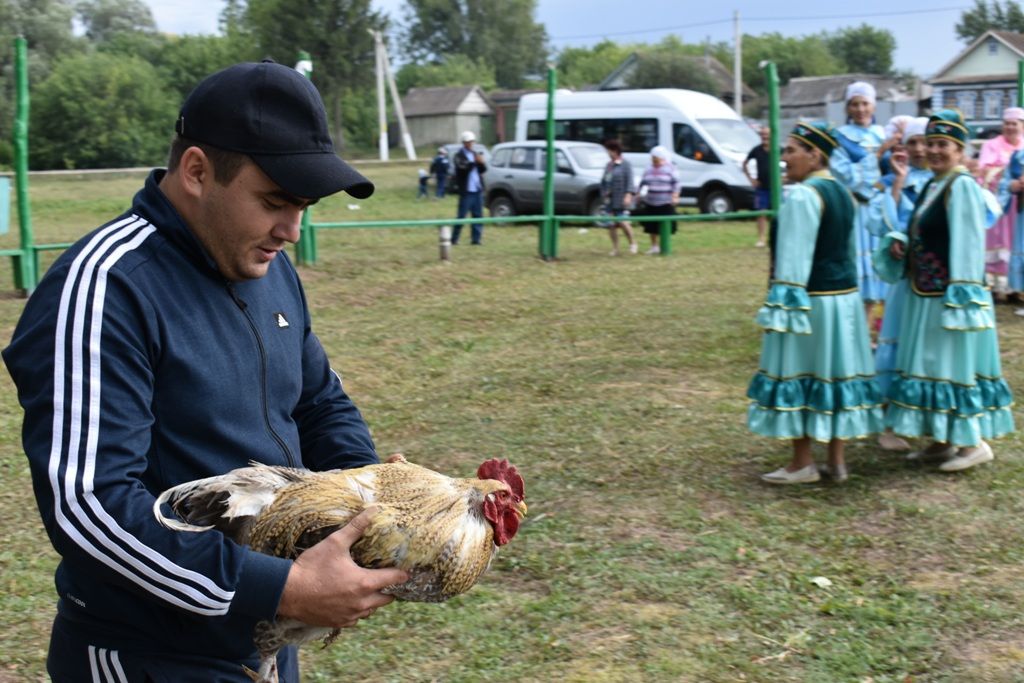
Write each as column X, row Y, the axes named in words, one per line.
column 469, row 181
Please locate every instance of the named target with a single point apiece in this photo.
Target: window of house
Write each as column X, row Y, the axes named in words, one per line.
column 992, row 107
column 993, row 46
column 965, row 100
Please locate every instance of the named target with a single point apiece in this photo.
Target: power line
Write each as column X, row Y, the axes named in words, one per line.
column 663, row 29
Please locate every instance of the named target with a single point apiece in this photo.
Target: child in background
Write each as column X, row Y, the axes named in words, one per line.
column 424, row 179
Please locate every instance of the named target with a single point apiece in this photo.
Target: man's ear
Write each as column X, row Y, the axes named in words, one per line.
column 195, row 170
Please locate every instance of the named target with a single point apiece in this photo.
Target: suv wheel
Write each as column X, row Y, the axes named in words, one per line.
column 594, row 205
column 502, row 207
column 717, row 201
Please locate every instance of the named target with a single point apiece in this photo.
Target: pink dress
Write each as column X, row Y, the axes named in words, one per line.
column 995, row 155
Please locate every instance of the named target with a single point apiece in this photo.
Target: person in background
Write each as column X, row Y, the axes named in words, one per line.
column 857, row 168
column 469, row 181
column 1010, row 200
column 175, row 343
column 993, row 159
column 439, row 168
column 815, row 380
column 762, row 184
column 659, row 187
column 424, row 179
column 890, row 211
column 948, row 383
column 617, row 192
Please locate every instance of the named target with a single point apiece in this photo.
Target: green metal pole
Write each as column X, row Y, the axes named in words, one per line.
column 549, row 239
column 305, row 248
column 1020, row 83
column 772, row 77
column 25, row 276
column 665, row 237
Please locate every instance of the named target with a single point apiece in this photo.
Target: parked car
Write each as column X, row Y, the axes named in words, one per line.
column 515, row 177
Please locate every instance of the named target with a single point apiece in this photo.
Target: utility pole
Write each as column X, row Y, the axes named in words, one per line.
column 737, row 66
column 402, row 126
column 382, row 113
column 383, row 65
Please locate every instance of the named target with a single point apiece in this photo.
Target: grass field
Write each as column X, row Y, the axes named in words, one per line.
column 651, row 553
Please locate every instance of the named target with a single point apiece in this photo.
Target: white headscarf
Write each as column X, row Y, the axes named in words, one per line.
column 896, row 123
column 862, row 89
column 915, row 126
column 661, row 152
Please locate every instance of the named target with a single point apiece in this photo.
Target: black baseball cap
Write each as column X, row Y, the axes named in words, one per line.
column 274, row 115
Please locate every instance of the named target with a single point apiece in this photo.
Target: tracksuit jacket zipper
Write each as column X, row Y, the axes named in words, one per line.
column 244, row 308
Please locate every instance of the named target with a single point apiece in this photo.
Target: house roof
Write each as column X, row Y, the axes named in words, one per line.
column 435, row 101
column 509, row 97
column 968, row 80
column 721, row 75
column 1014, row 41
column 814, row 90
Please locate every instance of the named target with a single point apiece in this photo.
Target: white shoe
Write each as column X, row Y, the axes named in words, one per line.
column 968, row 457
column 890, row 442
column 634, row 248
column 613, row 252
column 653, row 250
column 838, row 476
column 1019, row 311
column 807, row 475
column 759, row 243
column 934, row 456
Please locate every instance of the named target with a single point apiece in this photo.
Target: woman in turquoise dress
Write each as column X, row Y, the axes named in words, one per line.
column 860, row 173
column 816, row 379
column 948, row 383
column 889, row 211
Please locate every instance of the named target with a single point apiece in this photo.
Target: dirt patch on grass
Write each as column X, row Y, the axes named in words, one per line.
column 993, row 660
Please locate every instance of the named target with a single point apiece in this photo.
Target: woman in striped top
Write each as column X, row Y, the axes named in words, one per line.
column 661, row 180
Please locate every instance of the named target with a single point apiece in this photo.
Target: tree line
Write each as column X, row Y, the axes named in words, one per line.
column 107, row 85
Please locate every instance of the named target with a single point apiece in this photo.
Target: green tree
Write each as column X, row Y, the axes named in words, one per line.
column 985, row 16
column 46, row 26
column 100, row 110
column 451, row 71
column 664, row 69
column 501, row 33
column 579, row 66
column 102, row 20
column 793, row 57
column 185, row 60
column 336, row 33
column 864, row 49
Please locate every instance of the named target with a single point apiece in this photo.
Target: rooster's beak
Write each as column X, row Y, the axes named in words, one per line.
column 521, row 509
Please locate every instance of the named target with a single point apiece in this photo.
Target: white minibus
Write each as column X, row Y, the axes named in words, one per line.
column 708, row 139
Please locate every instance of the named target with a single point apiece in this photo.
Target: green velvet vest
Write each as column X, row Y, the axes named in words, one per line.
column 834, row 270
column 928, row 252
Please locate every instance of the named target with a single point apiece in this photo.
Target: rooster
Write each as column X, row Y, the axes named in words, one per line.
column 443, row 531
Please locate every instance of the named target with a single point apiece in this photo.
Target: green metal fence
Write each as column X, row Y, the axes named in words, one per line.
column 25, row 259
column 549, row 222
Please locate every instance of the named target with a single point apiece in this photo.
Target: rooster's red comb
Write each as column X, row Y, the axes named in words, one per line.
column 503, row 470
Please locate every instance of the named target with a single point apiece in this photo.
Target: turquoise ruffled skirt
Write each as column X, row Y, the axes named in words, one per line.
column 816, row 378
column 948, row 382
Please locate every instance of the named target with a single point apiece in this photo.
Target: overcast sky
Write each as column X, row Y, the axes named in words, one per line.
column 925, row 36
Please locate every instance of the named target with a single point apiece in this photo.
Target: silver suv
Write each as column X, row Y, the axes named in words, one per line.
column 515, row 177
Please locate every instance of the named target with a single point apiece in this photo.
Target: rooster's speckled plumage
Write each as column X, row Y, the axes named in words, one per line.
column 443, row 531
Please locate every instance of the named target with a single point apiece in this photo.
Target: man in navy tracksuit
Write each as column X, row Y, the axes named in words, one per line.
column 174, row 343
